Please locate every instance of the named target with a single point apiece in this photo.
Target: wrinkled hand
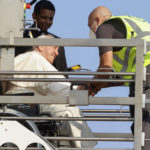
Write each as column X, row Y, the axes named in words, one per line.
column 85, row 86
column 95, row 90
column 91, row 91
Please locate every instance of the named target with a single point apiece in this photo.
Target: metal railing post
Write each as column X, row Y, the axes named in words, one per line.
column 139, row 95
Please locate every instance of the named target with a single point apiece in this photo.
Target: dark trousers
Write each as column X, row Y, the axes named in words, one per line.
column 146, row 111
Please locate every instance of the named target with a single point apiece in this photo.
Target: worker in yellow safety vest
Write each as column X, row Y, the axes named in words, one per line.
column 120, row 59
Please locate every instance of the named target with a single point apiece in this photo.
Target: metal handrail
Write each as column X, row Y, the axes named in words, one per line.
column 65, row 80
column 105, row 111
column 89, row 139
column 107, row 116
column 67, row 118
column 71, row 42
column 81, row 43
column 65, row 73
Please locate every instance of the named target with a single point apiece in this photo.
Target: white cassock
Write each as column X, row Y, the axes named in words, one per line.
column 33, row 61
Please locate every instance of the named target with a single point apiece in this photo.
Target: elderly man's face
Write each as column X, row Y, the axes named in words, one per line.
column 50, row 53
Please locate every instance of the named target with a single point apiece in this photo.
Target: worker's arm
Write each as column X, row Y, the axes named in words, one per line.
column 107, row 31
column 106, row 53
column 106, row 62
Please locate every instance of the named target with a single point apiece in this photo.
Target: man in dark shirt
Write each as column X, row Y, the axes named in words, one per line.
column 104, row 26
column 105, row 30
column 44, row 12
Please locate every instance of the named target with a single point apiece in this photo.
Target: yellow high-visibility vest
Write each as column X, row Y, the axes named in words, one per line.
column 124, row 60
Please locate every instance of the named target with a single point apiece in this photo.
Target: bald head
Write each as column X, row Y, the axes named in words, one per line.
column 99, row 14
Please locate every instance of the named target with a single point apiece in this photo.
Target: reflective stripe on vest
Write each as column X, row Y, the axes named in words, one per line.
column 125, row 59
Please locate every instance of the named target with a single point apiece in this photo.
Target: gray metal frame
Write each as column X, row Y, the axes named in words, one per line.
column 137, row 100
column 10, row 36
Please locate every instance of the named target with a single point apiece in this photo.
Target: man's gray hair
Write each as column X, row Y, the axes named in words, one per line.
column 48, row 36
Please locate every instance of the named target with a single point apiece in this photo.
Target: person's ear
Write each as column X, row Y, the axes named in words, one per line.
column 41, row 48
column 34, row 15
column 98, row 20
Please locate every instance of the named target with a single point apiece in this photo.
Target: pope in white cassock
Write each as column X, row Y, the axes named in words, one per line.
column 41, row 59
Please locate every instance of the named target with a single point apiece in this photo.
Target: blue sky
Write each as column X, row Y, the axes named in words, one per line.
column 71, row 21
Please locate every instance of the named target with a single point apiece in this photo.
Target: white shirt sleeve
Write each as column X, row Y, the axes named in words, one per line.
column 33, row 61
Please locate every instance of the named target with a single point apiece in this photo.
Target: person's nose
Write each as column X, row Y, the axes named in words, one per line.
column 56, row 51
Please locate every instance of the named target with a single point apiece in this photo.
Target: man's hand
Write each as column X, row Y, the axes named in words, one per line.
column 94, row 89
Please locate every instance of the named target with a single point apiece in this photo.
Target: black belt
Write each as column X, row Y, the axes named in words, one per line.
column 146, row 87
column 146, row 116
column 21, row 94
